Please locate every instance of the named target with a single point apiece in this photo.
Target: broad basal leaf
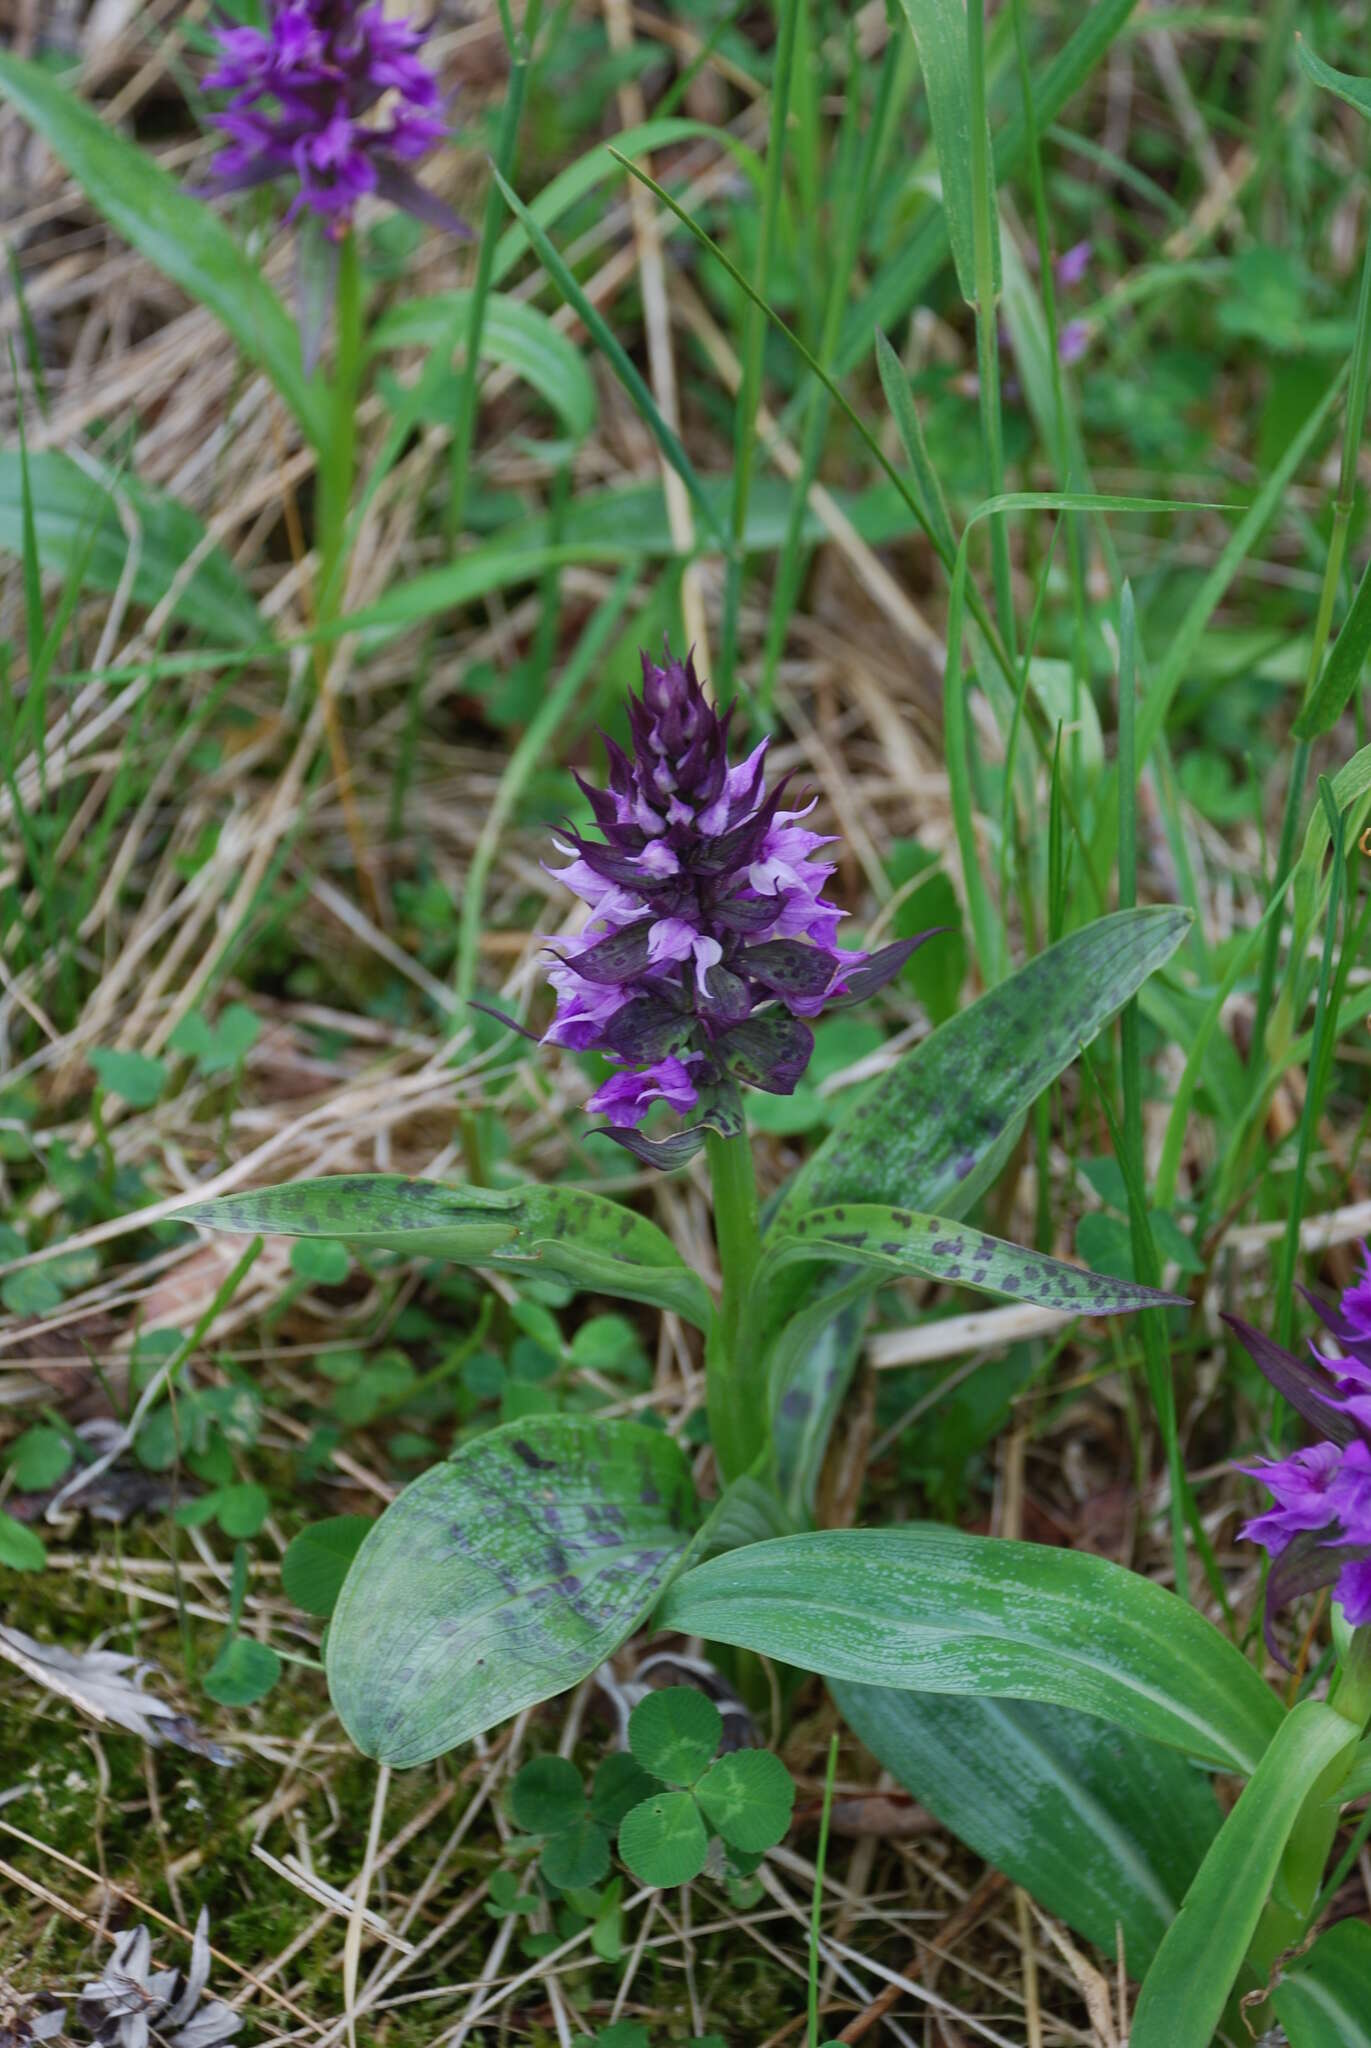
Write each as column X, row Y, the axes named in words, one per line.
column 77, row 522
column 1324, row 1998
column 1197, row 1965
column 933, row 1131
column 182, row 236
column 501, row 1578
column 1103, row 1827
column 596, row 1243
column 931, row 1609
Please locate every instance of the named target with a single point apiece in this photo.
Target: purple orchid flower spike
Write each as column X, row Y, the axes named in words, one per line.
column 710, row 942
column 305, row 105
column 1319, row 1531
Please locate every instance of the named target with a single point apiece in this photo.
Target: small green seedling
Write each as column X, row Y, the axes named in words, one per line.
column 220, row 1047
column 744, row 1798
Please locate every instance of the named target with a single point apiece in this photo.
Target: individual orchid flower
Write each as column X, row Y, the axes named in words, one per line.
column 710, row 943
column 1319, row 1531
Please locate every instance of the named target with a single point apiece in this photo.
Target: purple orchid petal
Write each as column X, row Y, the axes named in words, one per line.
column 1318, row 1530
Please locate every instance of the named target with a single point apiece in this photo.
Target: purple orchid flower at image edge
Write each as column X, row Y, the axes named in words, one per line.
column 303, row 99
column 1319, row 1531
column 710, row 942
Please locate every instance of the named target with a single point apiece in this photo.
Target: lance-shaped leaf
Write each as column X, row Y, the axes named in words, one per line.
column 869, row 1241
column 502, row 1577
column 1356, row 91
column 899, row 1241
column 939, row 30
column 596, row 1243
column 1104, row 1828
column 1197, row 1965
column 1324, row 1998
column 934, row 1130
column 932, row 1609
column 180, row 235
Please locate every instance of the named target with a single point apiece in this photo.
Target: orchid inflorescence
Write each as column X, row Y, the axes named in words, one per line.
column 304, row 95
column 710, row 940
column 1319, row 1531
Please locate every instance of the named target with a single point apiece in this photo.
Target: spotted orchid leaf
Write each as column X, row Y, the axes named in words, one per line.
column 934, row 1131
column 502, row 1577
column 808, row 1377
column 899, row 1241
column 595, row 1243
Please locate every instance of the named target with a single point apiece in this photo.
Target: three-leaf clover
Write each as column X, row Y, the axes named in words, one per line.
column 219, row 1047
column 745, row 1798
column 548, row 1798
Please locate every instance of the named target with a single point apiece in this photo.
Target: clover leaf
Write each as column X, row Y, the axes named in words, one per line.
column 674, row 1733
column 548, row 1798
column 745, row 1798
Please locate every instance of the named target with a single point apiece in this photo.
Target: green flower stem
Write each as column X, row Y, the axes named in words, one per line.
column 737, row 1408
column 335, row 476
column 338, row 457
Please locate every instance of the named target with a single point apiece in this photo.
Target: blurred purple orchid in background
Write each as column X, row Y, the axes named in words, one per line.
column 1319, row 1531
column 303, row 97
column 710, row 940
